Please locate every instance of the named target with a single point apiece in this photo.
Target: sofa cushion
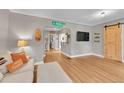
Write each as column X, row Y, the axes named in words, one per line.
column 15, row 65
column 52, row 73
column 29, row 66
column 24, row 77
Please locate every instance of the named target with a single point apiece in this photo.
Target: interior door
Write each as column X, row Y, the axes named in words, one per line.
column 118, row 43
column 112, row 42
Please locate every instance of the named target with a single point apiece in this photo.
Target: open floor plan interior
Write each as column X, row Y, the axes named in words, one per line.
column 88, row 69
column 61, row 45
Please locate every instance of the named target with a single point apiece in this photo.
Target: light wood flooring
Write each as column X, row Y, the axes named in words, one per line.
column 89, row 69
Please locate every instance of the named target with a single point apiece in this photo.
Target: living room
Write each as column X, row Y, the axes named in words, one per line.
column 25, row 30
column 61, row 46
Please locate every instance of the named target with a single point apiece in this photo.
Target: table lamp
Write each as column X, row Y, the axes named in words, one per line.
column 22, row 44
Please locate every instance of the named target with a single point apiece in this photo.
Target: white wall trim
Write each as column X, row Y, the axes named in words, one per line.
column 39, row 63
column 122, row 61
column 98, row 55
column 86, row 54
column 66, row 54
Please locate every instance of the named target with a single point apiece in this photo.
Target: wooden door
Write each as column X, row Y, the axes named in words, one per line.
column 112, row 42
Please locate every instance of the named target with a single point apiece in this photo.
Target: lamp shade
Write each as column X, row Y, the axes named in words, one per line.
column 22, row 43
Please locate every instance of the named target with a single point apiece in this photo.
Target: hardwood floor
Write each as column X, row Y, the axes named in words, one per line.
column 89, row 68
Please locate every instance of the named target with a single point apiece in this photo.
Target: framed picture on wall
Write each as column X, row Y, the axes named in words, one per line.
column 37, row 34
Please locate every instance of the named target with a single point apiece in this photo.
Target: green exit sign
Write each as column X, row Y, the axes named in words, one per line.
column 58, row 24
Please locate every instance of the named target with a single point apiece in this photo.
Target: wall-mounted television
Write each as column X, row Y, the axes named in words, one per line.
column 82, row 36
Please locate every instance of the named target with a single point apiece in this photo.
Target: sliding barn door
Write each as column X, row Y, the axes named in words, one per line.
column 112, row 42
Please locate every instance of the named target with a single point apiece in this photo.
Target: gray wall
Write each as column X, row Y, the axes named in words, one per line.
column 4, row 16
column 23, row 27
column 99, row 47
column 66, row 47
column 80, row 47
column 75, row 48
column 15, row 26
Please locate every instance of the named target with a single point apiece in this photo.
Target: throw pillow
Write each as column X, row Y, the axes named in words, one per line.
column 15, row 65
column 24, row 58
column 17, row 56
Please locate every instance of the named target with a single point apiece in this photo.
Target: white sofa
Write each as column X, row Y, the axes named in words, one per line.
column 22, row 75
column 47, row 73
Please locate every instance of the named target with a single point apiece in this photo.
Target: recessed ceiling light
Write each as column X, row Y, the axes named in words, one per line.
column 103, row 13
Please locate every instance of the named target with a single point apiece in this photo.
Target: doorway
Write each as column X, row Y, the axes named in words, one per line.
column 112, row 42
column 52, row 41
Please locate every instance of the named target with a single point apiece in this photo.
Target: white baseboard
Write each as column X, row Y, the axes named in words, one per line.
column 38, row 63
column 98, row 55
column 66, row 54
column 122, row 61
column 86, row 54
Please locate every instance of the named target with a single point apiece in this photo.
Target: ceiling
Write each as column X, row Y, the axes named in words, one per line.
column 90, row 17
